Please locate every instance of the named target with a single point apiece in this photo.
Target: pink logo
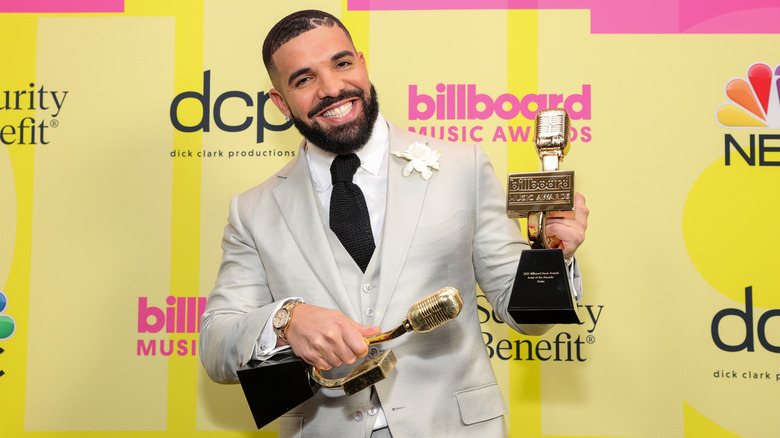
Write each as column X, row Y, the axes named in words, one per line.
column 463, row 102
column 181, row 316
column 62, row 6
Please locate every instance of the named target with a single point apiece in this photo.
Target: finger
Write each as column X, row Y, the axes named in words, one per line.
column 581, row 208
column 579, row 222
column 369, row 330
column 345, row 354
column 351, row 344
column 324, row 358
column 356, row 344
column 319, row 348
column 560, row 220
column 314, row 359
column 319, row 362
column 563, row 214
column 575, row 225
column 569, row 234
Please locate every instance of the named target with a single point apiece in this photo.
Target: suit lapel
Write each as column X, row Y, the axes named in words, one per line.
column 302, row 212
column 405, row 196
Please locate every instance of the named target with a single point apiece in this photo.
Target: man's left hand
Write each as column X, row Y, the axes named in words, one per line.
column 568, row 231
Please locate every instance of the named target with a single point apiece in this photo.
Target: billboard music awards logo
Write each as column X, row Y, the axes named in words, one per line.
column 27, row 130
column 564, row 347
column 181, row 316
column 446, row 111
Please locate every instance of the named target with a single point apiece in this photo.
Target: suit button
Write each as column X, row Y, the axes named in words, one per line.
column 369, row 312
column 367, row 288
column 358, row 415
column 372, row 411
column 373, row 352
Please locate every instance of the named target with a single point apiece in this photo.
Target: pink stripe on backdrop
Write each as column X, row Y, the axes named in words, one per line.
column 625, row 17
column 62, row 6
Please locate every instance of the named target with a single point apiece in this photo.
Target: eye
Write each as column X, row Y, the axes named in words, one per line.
column 302, row 81
column 342, row 64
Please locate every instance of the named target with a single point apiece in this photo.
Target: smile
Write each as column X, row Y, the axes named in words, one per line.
column 339, row 111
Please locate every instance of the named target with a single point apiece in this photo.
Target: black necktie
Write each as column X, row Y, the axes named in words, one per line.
column 348, row 212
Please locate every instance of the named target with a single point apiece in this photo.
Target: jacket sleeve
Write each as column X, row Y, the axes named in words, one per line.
column 238, row 306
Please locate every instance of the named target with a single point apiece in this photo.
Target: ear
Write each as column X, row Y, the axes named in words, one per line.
column 278, row 100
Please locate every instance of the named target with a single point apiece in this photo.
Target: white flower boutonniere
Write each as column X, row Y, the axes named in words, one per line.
column 421, row 158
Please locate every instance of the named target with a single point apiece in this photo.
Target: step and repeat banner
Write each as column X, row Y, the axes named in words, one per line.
column 126, row 126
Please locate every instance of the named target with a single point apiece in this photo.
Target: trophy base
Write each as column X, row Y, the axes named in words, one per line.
column 369, row 373
column 542, row 293
column 275, row 386
column 282, row 382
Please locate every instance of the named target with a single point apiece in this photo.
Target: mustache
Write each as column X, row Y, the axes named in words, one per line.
column 328, row 101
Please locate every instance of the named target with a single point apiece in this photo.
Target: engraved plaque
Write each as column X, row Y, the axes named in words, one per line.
column 539, row 191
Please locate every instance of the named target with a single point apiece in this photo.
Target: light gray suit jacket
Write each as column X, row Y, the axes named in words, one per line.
column 451, row 230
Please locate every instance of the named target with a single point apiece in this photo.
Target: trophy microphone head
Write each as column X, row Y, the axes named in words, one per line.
column 435, row 309
column 552, row 132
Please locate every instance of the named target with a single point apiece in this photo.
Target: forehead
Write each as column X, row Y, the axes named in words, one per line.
column 312, row 47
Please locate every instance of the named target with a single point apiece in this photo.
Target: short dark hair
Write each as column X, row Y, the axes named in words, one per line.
column 293, row 25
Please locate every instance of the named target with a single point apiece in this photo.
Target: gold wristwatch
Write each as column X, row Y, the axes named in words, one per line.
column 282, row 319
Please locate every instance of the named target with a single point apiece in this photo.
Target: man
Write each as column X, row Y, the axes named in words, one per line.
column 441, row 224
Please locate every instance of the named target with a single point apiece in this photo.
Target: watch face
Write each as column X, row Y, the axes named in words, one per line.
column 281, row 317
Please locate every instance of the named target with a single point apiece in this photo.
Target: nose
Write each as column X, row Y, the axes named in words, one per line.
column 330, row 85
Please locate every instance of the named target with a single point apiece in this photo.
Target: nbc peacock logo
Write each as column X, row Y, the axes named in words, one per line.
column 753, row 102
column 7, row 323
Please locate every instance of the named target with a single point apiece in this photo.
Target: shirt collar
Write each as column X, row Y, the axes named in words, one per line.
column 371, row 155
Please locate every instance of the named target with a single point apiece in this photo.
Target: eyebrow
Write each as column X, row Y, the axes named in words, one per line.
column 305, row 70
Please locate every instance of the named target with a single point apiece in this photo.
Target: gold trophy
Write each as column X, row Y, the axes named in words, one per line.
column 543, row 292
column 284, row 381
column 424, row 316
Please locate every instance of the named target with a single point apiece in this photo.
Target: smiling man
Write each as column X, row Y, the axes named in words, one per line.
column 328, row 96
column 344, row 239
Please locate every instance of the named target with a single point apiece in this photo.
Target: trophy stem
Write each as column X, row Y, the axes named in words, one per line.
column 389, row 335
column 550, row 162
column 536, row 224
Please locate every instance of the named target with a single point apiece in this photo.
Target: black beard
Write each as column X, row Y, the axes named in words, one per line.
column 347, row 138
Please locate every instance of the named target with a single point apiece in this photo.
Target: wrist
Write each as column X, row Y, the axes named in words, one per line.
column 282, row 319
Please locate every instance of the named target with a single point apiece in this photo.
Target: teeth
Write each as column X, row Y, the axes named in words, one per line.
column 340, row 111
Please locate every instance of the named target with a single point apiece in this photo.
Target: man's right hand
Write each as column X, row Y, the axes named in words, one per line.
column 326, row 338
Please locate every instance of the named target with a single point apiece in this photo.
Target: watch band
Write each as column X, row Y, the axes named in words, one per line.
column 281, row 331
